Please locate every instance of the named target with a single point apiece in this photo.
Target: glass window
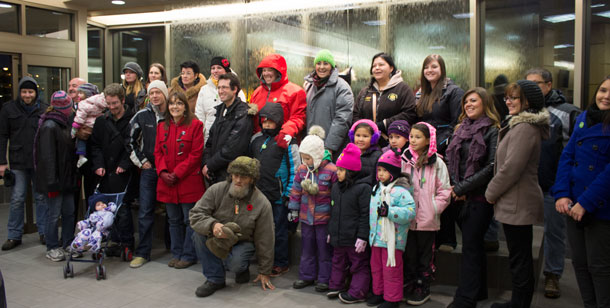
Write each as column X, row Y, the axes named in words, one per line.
column 95, row 61
column 50, row 79
column 9, row 17
column 527, row 34
column 6, row 78
column 599, row 57
column 133, row 47
column 46, row 23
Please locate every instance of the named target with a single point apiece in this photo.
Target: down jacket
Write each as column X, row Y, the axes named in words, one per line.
column 89, row 110
column 331, row 108
column 178, row 150
column 289, row 95
column 514, row 188
column 349, row 216
column 143, row 134
column 313, row 210
column 584, row 168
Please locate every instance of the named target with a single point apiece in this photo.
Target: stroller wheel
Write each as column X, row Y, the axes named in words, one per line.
column 66, row 269
column 71, row 271
column 126, row 254
column 103, row 272
column 98, row 273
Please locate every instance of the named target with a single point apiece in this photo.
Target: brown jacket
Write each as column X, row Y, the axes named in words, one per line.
column 192, row 92
column 253, row 214
column 514, row 187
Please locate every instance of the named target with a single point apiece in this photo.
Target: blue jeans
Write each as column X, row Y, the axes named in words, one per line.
column 62, row 204
column 182, row 245
column 554, row 237
column 280, row 219
column 146, row 213
column 214, row 268
column 17, row 206
column 492, row 232
column 81, row 147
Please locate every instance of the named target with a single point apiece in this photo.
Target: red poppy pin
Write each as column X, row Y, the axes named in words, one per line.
column 249, row 207
column 225, row 62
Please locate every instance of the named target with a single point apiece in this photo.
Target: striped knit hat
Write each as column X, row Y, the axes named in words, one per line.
column 62, row 102
column 89, row 89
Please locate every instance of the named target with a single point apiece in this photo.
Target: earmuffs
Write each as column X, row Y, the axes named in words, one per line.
column 376, row 132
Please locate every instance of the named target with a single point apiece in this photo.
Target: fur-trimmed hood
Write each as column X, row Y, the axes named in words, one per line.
column 176, row 84
column 541, row 119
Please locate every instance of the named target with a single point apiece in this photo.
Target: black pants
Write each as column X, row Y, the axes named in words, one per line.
column 2, row 292
column 474, row 219
column 446, row 235
column 519, row 241
column 419, row 256
column 591, row 260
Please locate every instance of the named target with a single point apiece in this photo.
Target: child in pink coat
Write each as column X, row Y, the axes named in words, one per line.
column 432, row 191
column 91, row 106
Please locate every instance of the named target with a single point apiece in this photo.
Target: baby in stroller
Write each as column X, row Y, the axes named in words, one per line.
column 94, row 227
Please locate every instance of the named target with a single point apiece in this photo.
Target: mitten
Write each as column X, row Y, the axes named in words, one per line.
column 283, row 140
column 360, row 245
column 383, row 209
column 293, row 216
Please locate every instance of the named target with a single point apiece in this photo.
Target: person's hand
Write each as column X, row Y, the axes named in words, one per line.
column 265, row 282
column 2, row 169
column 293, row 216
column 100, row 172
column 562, row 205
column 577, row 212
column 360, row 245
column 383, row 209
column 53, row 194
column 204, row 171
column 218, row 230
column 119, row 170
column 283, row 140
column 164, row 175
column 328, row 239
column 491, row 202
column 146, row 165
column 173, row 178
column 456, row 197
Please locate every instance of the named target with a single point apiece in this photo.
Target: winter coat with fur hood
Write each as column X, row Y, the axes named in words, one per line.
column 514, row 188
column 192, row 92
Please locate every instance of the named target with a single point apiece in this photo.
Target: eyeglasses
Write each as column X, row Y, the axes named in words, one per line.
column 511, row 98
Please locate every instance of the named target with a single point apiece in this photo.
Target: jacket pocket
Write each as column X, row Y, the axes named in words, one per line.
column 15, row 156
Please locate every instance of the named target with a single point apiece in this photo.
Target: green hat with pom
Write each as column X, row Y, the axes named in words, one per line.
column 326, row 56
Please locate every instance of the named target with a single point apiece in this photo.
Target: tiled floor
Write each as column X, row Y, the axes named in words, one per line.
column 33, row 281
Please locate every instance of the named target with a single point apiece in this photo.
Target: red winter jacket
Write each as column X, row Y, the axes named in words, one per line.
column 289, row 95
column 178, row 149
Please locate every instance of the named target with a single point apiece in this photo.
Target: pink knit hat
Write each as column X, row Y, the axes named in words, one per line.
column 62, row 102
column 350, row 158
column 390, row 160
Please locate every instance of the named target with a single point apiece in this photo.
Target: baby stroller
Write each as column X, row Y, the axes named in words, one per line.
column 99, row 255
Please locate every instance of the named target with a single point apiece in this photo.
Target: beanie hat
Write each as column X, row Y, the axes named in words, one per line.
column 62, row 102
column 159, row 85
column 244, row 165
column 222, row 62
column 350, row 158
column 28, row 85
column 313, row 145
column 390, row 160
column 533, row 94
column 89, row 89
column 326, row 56
column 400, row 127
column 134, row 67
column 376, row 132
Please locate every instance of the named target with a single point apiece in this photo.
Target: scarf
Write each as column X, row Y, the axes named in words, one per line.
column 469, row 130
column 388, row 230
column 214, row 81
column 320, row 82
column 595, row 115
column 50, row 115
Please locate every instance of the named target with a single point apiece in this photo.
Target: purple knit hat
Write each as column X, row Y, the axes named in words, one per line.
column 390, row 160
column 400, row 127
column 350, row 158
column 89, row 89
column 62, row 102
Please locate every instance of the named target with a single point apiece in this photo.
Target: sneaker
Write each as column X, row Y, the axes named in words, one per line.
column 56, row 255
column 348, row 299
column 374, row 300
column 81, row 161
column 243, row 277
column 208, row 288
column 172, row 262
column 279, row 270
column 10, row 244
column 137, row 262
column 332, row 294
column 387, row 304
column 419, row 297
column 409, row 289
column 551, row 286
column 75, row 254
column 445, row 248
column 183, row 264
column 299, row 284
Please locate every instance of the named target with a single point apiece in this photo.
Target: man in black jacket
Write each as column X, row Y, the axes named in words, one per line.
column 230, row 134
column 142, row 142
column 18, row 124
column 110, row 161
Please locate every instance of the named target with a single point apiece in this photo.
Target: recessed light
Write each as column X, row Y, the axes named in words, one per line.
column 118, row 2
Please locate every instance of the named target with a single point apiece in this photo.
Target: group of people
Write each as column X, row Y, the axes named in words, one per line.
column 376, row 180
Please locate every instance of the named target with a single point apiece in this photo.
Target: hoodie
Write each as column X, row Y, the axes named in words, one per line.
column 290, row 96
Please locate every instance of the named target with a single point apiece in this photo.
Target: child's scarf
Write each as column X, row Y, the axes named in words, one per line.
column 388, row 231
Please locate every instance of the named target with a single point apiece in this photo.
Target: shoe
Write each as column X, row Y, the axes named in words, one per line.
column 10, row 244
column 321, row 287
column 56, row 255
column 172, row 262
column 137, row 262
column 183, row 264
column 445, row 248
column 348, row 299
column 75, row 254
column 420, row 296
column 551, row 286
column 374, row 300
column 387, row 304
column 42, row 239
column 332, row 294
column 243, row 277
column 81, row 161
column 491, row 246
column 208, row 288
column 299, row 284
column 279, row 270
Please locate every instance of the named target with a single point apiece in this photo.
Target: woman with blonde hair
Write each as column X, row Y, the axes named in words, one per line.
column 135, row 93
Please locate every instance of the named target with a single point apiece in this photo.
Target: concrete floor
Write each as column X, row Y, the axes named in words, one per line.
column 33, row 281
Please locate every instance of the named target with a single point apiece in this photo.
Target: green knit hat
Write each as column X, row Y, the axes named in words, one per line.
column 326, row 56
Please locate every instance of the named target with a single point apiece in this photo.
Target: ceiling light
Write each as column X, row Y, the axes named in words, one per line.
column 559, row 18
column 597, row 5
column 561, row 46
column 603, row 14
column 5, row 69
column 5, row 6
column 118, row 2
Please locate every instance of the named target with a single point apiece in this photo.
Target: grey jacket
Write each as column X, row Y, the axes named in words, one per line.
column 331, row 108
column 253, row 214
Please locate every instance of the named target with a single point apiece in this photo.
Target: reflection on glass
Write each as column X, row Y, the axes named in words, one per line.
column 523, row 35
column 9, row 17
column 46, row 23
column 6, row 79
column 134, row 47
column 599, row 57
column 95, row 61
column 50, row 79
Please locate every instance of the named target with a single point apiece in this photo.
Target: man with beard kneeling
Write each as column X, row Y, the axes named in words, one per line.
column 235, row 200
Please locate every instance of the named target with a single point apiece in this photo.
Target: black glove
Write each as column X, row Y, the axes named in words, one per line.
column 383, row 209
